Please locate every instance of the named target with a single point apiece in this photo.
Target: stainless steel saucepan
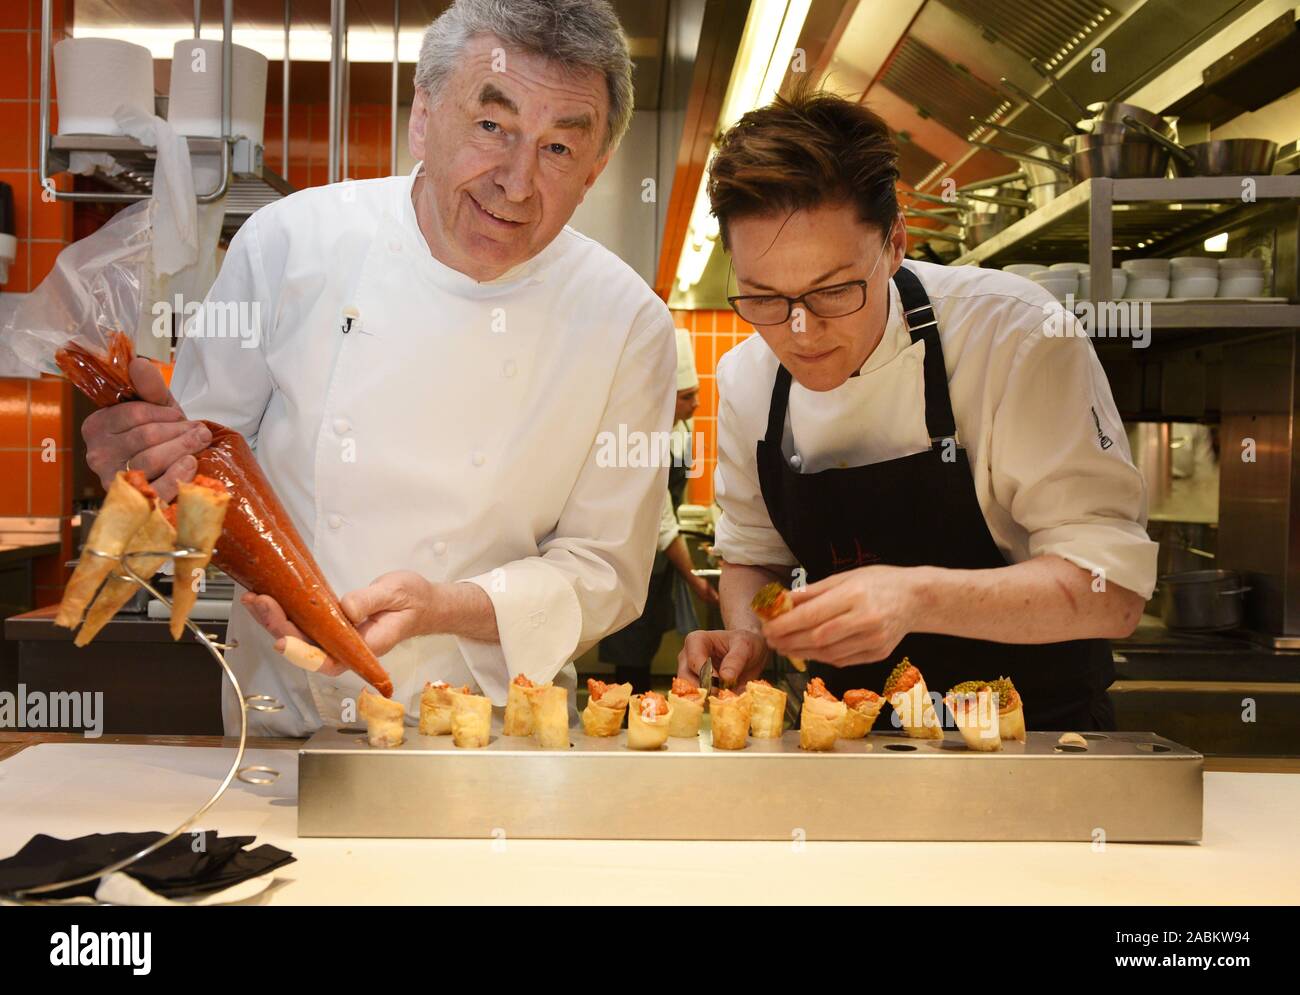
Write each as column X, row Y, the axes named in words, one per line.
column 1220, row 157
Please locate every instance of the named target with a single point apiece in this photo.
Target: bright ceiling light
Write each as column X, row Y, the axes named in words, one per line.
column 1217, row 243
column 766, row 48
column 305, row 45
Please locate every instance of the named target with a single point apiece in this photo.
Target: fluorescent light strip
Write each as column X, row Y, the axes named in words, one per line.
column 766, row 48
column 305, row 45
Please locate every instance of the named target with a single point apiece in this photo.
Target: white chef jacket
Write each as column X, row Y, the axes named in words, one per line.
column 1052, row 467
column 455, row 430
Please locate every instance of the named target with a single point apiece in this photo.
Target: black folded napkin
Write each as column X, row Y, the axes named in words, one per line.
column 172, row 871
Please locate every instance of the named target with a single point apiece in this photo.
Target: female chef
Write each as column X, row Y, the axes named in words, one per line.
column 952, row 479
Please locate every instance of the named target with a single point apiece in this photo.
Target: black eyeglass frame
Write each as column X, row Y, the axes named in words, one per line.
column 790, row 302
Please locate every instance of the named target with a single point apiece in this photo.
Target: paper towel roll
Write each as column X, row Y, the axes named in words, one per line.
column 194, row 101
column 94, row 76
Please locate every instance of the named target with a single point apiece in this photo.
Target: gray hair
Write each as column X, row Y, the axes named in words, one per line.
column 578, row 35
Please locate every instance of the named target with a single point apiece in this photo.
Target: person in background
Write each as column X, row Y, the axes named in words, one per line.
column 632, row 649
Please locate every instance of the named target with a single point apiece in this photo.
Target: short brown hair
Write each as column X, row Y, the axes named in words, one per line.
column 809, row 148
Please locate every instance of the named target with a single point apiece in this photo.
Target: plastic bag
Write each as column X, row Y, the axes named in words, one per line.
column 96, row 289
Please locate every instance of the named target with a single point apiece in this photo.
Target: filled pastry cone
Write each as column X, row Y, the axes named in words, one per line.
column 905, row 690
column 1011, row 710
column 974, row 708
column 770, row 601
column 550, row 710
column 648, row 721
column 603, row 715
column 471, row 720
column 519, row 709
column 729, row 713
column 820, row 718
column 385, row 725
column 435, row 707
column 766, row 710
column 156, row 534
column 125, row 509
column 861, row 707
column 200, row 511
column 687, row 709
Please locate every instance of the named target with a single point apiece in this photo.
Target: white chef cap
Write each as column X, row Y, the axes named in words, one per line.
column 686, row 375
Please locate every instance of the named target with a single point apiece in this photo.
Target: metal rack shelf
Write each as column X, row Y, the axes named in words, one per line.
column 1101, row 218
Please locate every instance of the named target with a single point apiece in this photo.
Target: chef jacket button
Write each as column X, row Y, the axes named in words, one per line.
column 439, row 548
column 342, row 426
column 796, row 461
column 508, row 368
column 336, row 521
column 478, row 459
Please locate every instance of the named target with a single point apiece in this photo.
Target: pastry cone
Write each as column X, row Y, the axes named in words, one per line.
column 385, row 719
column 471, row 720
column 648, row 721
column 905, row 690
column 435, row 708
column 770, row 601
column 519, row 709
column 861, row 707
column 1011, row 710
column 766, row 710
column 820, row 718
column 550, row 707
column 688, row 709
column 126, row 507
column 603, row 715
column 155, row 534
column 200, row 510
column 730, row 720
column 974, row 708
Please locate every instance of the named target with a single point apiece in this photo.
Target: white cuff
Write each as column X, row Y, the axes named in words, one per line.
column 1121, row 555
column 539, row 622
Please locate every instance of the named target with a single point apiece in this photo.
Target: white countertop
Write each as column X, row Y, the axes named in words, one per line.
column 1248, row 855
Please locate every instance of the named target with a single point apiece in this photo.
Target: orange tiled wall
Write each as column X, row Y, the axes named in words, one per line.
column 35, row 416
column 713, row 332
column 369, row 148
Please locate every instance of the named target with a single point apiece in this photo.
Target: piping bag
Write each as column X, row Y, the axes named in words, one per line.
column 259, row 545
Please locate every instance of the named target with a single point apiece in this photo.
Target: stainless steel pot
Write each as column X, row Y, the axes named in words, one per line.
column 1117, row 111
column 1202, row 600
column 1221, row 157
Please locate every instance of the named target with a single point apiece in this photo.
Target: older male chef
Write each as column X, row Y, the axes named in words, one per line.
column 439, row 359
column 953, row 478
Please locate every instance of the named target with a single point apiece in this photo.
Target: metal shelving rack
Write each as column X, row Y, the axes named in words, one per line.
column 1101, row 217
column 246, row 182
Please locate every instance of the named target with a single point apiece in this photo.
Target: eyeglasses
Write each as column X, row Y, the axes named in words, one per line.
column 833, row 301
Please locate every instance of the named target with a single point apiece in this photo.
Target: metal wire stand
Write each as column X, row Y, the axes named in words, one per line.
column 252, row 774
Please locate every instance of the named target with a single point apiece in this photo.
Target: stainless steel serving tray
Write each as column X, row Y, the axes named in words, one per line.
column 1124, row 787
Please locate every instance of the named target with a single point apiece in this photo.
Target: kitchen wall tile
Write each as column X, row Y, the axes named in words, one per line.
column 14, row 14
column 43, row 255
column 14, row 491
column 13, row 413
column 51, row 414
column 46, row 485
column 15, row 80
column 13, row 126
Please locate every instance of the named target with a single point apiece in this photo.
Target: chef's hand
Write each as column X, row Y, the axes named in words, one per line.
column 858, row 616
column 738, row 655
column 388, row 611
column 152, row 435
column 705, row 591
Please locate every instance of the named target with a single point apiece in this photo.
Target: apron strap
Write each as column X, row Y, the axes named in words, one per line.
column 921, row 323
column 776, row 409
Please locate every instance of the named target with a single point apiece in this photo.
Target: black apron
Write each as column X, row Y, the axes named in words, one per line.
column 922, row 510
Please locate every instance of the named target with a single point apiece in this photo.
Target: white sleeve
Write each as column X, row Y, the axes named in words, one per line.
column 221, row 372
column 745, row 533
column 668, row 527
column 593, row 571
column 1061, row 463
